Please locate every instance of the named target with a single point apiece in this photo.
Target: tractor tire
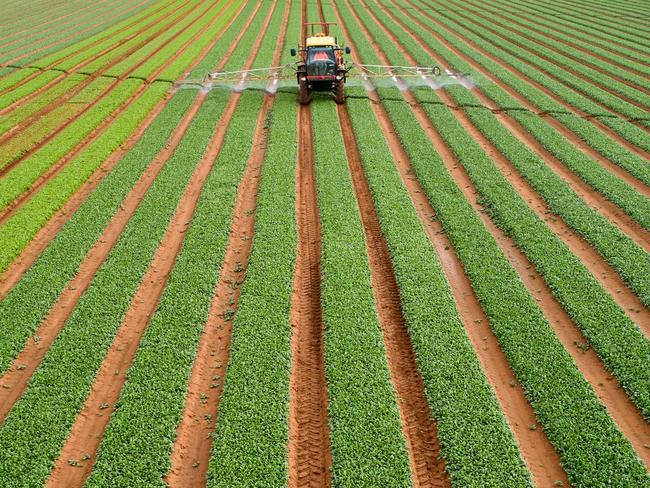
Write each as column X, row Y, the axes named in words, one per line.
column 339, row 92
column 304, row 94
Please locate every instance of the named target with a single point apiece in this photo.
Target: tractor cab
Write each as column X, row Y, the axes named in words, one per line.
column 321, row 66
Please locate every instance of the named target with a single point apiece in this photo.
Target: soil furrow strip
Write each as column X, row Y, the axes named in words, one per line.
column 15, row 380
column 522, row 76
column 57, row 167
column 192, row 446
column 51, row 229
column 537, row 451
column 87, row 431
column 623, row 411
column 607, row 277
column 420, row 431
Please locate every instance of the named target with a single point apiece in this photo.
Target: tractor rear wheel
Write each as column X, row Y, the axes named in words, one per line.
column 304, row 94
column 339, row 92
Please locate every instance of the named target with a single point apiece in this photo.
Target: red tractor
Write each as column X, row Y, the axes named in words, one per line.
column 321, row 66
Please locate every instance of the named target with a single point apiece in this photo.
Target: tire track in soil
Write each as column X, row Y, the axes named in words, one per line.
column 42, row 239
column 591, row 196
column 420, row 431
column 602, row 271
column 56, row 168
column 638, row 185
column 524, row 78
column 572, row 57
column 52, row 66
column 567, row 42
column 537, row 451
column 477, row 30
column 16, row 130
column 10, row 133
column 89, row 427
column 624, row 413
column 193, row 444
column 24, row 55
column 15, row 380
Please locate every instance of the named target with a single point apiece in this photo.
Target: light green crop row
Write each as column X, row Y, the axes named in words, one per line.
column 27, row 303
column 566, row 406
column 57, row 390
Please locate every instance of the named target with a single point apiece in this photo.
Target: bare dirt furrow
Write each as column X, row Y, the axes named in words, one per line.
column 23, row 52
column 57, row 167
column 611, row 73
column 521, row 99
column 31, row 356
column 42, row 239
column 537, row 451
column 566, row 42
column 594, row 262
column 192, row 446
column 420, row 431
column 477, row 29
column 87, row 432
column 87, row 107
column 90, row 78
column 120, row 40
column 309, row 446
column 623, row 411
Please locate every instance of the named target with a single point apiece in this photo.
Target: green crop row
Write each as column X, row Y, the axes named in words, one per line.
column 136, row 448
column 566, row 406
column 581, row 26
column 57, row 390
column 602, row 25
column 566, row 39
column 487, row 35
column 22, row 91
column 64, row 39
column 40, row 127
column 27, row 303
column 19, row 230
column 585, row 74
column 620, row 251
column 367, row 443
column 252, row 429
column 632, row 163
column 25, row 174
column 472, row 431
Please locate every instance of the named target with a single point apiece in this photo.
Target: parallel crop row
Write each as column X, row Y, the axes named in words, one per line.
column 572, row 417
column 59, row 387
column 368, row 447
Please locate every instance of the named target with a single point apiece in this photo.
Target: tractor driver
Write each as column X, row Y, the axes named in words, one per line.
column 321, row 58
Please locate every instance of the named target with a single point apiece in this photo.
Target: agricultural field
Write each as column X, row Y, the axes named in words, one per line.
column 443, row 281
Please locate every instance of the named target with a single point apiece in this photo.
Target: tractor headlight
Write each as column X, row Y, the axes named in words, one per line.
column 338, row 78
column 303, row 79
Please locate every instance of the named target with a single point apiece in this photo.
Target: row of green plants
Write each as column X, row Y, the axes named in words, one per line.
column 28, row 302
column 566, row 406
column 22, row 226
column 67, row 31
column 453, row 31
column 565, row 39
column 473, row 433
column 367, row 443
column 632, row 163
column 58, row 389
column 618, row 249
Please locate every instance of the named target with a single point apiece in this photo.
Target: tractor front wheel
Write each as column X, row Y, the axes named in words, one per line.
column 304, row 94
column 339, row 92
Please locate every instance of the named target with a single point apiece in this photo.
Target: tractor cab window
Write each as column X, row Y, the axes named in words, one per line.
column 321, row 61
